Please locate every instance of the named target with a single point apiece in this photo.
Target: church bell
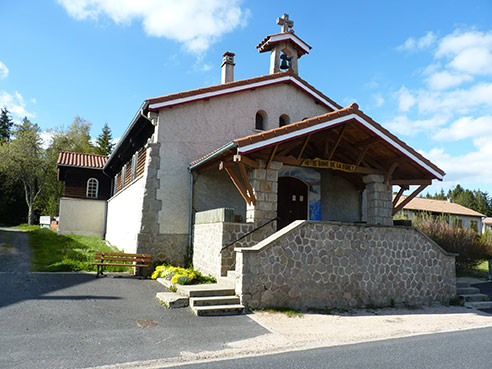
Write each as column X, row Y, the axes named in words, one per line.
column 285, row 62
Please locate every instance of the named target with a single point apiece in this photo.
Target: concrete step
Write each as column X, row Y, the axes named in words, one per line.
column 462, row 284
column 466, row 290
column 231, row 274
column 214, row 300
column 479, row 305
column 218, row 310
column 205, row 290
column 474, row 297
column 223, row 288
column 172, row 300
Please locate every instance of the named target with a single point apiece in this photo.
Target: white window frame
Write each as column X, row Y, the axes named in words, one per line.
column 90, row 193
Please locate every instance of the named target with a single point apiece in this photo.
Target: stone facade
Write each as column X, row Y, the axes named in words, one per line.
column 171, row 248
column 208, row 240
column 379, row 204
column 265, row 187
column 337, row 265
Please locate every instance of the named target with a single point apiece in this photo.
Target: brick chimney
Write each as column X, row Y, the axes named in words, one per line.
column 228, row 67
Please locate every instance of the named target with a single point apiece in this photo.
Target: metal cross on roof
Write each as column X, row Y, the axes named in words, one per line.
column 285, row 22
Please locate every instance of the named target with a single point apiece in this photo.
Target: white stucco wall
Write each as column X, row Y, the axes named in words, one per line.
column 125, row 216
column 81, row 216
column 465, row 220
column 225, row 193
column 189, row 131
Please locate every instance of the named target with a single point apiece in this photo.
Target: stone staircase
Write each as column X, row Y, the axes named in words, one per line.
column 205, row 299
column 472, row 297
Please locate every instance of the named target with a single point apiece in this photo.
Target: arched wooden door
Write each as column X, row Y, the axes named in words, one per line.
column 292, row 201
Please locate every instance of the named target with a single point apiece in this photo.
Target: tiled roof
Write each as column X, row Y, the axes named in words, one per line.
column 264, row 139
column 352, row 109
column 76, row 159
column 231, row 87
column 439, row 206
column 267, row 43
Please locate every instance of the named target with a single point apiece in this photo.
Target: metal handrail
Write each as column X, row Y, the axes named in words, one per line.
column 247, row 234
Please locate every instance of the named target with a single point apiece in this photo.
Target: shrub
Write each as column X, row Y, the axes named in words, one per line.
column 178, row 275
column 468, row 244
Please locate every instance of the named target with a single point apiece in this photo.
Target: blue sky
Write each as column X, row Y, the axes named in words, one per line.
column 423, row 69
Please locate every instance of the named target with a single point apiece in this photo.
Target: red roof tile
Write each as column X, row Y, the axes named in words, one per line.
column 76, row 159
column 297, row 126
column 229, row 85
column 267, row 45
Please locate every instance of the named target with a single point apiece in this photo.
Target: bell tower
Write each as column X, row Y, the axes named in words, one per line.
column 285, row 47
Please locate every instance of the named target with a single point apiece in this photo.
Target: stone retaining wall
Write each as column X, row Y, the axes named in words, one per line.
column 208, row 240
column 336, row 265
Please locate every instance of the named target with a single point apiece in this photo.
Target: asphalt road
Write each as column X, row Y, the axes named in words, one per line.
column 469, row 349
column 73, row 320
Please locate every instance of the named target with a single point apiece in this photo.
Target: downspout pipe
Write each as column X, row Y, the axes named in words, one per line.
column 190, row 223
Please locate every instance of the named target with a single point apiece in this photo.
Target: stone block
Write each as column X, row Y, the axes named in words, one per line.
column 214, row 216
column 172, row 300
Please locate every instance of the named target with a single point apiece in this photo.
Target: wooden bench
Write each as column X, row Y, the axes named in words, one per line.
column 104, row 258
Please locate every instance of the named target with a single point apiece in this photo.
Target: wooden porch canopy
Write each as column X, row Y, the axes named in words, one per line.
column 345, row 140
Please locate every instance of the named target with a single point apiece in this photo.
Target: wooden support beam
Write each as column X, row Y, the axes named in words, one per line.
column 397, row 197
column 272, row 155
column 238, row 185
column 369, row 141
column 288, row 147
column 326, row 148
column 303, row 147
column 339, row 139
column 410, row 182
column 390, row 171
column 362, row 154
column 400, row 206
column 225, row 164
column 247, row 161
column 251, row 195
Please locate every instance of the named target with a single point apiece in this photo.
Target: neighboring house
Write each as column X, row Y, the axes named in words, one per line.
column 487, row 224
column 456, row 214
column 87, row 189
column 196, row 170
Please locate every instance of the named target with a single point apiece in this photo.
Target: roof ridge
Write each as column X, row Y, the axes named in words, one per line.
column 81, row 153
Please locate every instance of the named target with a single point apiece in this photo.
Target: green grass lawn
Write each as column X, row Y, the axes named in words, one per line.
column 64, row 253
column 480, row 271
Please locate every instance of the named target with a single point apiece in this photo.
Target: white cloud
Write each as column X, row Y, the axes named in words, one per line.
column 46, row 138
column 4, row 71
column 424, row 42
column 468, row 127
column 405, row 99
column 469, row 52
column 403, row 125
column 15, row 104
column 444, row 80
column 379, row 100
column 453, row 103
column 194, row 23
column 472, row 169
column 460, row 101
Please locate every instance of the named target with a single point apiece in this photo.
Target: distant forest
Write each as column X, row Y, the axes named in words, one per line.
column 28, row 156
column 473, row 199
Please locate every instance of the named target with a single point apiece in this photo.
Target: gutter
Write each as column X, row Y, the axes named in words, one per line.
column 223, row 149
column 139, row 114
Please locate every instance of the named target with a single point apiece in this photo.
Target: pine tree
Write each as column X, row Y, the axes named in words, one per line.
column 104, row 142
column 6, row 123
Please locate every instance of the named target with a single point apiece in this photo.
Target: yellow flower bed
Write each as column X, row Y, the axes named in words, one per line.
column 176, row 275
